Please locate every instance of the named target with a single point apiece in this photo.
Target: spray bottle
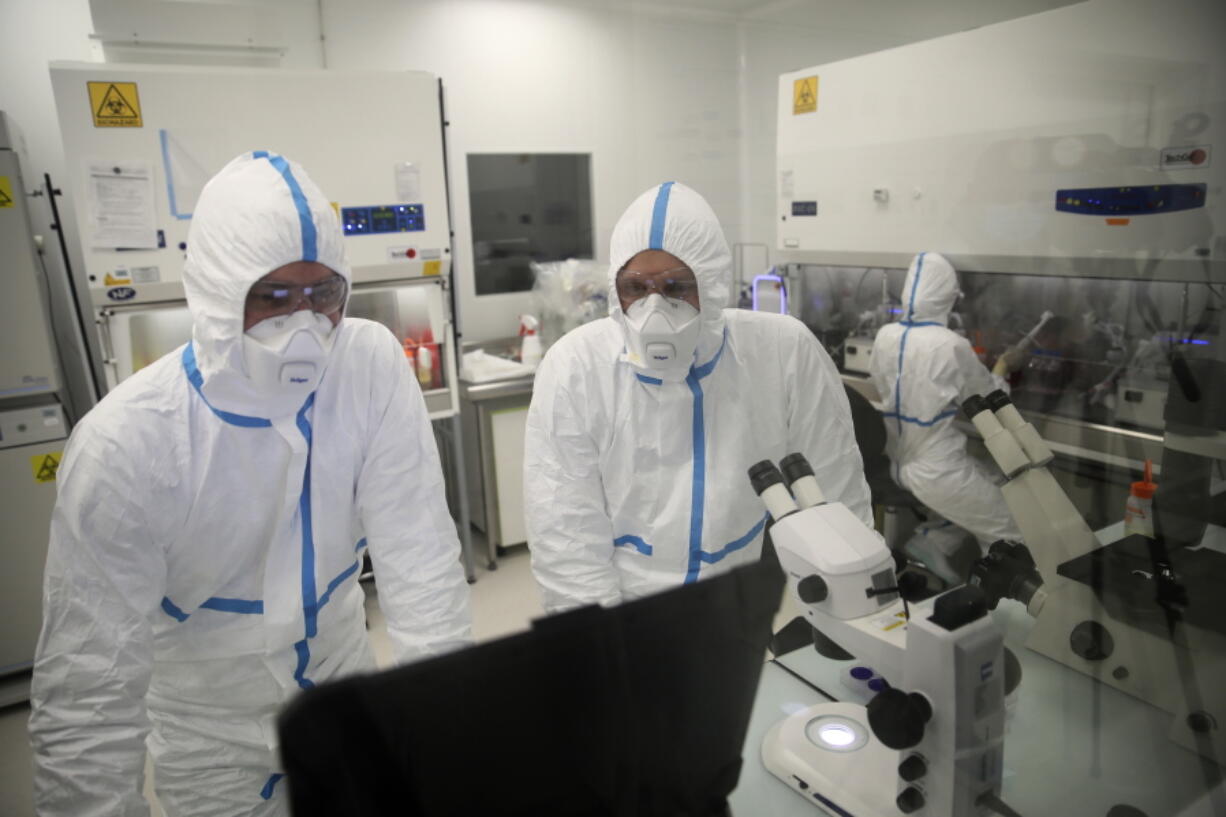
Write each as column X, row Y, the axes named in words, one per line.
column 1139, row 507
column 530, row 341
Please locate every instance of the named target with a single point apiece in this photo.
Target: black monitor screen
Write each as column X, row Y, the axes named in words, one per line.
column 639, row 709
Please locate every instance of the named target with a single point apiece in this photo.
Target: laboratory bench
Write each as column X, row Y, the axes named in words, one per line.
column 493, row 414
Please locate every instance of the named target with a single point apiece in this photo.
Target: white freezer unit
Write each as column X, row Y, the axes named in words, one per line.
column 33, row 427
column 1079, row 141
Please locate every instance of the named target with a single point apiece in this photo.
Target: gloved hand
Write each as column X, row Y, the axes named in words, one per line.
column 1010, row 360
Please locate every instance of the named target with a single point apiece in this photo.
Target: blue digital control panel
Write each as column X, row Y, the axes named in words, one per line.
column 1131, row 201
column 387, row 218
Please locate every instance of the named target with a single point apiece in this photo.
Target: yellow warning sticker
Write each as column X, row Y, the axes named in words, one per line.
column 114, row 104
column 6, row 192
column 45, row 466
column 804, row 95
column 432, row 267
column 118, row 278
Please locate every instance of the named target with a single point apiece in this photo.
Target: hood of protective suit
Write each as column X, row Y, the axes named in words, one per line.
column 260, row 212
column 673, row 218
column 930, row 290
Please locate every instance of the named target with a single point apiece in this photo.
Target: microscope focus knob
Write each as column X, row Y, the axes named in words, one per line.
column 913, row 768
column 897, row 718
column 911, row 799
column 812, row 589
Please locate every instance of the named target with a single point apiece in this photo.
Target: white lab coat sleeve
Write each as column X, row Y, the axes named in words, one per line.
column 972, row 376
column 819, row 421
column 104, row 582
column 570, row 533
column 403, row 507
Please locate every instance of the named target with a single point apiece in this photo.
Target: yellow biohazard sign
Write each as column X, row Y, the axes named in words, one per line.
column 114, row 104
column 6, row 192
column 804, row 95
column 45, row 466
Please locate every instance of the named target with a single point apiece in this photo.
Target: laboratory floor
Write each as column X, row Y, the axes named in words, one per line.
column 503, row 601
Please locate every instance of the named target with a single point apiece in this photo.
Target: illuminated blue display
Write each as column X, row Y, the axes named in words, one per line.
column 388, row 218
column 1131, row 201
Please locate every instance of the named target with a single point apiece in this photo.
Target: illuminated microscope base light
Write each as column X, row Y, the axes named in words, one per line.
column 827, row 755
column 836, row 734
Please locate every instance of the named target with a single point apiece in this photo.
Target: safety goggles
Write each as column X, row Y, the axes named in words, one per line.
column 267, row 299
column 678, row 284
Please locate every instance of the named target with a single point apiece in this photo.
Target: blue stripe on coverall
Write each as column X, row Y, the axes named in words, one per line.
column 309, row 243
column 910, row 323
column 697, row 556
column 659, row 215
column 310, row 604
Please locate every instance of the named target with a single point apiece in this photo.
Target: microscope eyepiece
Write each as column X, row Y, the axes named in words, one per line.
column 795, row 466
column 997, row 400
column 763, row 475
column 974, row 405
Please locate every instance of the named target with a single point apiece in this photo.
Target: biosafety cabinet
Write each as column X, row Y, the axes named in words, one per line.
column 141, row 141
column 1068, row 162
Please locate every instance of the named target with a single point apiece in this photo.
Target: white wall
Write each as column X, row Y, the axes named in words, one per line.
column 32, row 34
column 652, row 98
column 653, row 91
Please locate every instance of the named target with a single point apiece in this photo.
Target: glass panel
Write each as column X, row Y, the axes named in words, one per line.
column 1103, row 356
column 140, row 337
column 527, row 207
column 415, row 316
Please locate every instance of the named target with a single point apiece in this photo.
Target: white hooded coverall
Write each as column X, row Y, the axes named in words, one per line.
column 923, row 371
column 207, row 535
column 635, row 480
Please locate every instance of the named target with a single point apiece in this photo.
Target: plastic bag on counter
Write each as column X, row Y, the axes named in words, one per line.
column 568, row 294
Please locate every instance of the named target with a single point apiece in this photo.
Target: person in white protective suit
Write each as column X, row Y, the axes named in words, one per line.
column 923, row 371
column 212, row 515
column 643, row 425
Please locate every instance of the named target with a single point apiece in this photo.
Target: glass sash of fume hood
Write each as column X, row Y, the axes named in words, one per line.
column 135, row 336
column 1104, row 358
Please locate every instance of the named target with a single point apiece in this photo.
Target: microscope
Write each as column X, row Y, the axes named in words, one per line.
column 932, row 742
column 1141, row 615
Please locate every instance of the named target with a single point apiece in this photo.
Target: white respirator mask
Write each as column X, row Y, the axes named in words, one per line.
column 662, row 333
column 286, row 354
